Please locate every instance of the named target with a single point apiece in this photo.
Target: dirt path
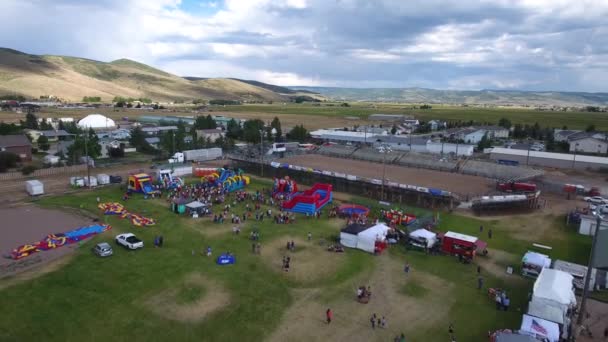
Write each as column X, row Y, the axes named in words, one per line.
column 167, row 303
column 428, row 178
column 404, row 313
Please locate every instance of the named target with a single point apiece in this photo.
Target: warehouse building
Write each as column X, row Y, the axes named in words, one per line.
column 547, row 159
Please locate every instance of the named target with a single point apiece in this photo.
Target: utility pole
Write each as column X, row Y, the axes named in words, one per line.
column 86, row 152
column 261, row 153
column 574, row 159
column 581, row 312
column 528, row 157
column 384, row 148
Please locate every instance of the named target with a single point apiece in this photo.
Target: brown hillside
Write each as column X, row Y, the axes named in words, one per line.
column 71, row 78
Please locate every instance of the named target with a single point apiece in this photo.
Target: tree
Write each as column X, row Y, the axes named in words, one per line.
column 276, row 124
column 344, row 104
column 504, row 122
column 205, row 122
column 484, row 142
column 590, row 128
column 138, row 140
column 234, row 130
column 43, row 143
column 31, row 121
column 298, row 133
column 11, row 128
column 251, row 130
column 86, row 142
column 45, row 125
column 8, row 160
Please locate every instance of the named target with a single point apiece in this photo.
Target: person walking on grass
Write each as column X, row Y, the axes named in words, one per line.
column 328, row 315
column 406, row 269
column 383, row 322
column 372, row 320
column 490, row 233
column 309, row 236
column 480, row 283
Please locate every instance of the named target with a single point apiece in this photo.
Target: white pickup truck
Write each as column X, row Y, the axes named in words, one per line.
column 129, row 241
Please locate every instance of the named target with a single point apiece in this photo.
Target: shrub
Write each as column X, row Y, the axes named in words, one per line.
column 28, row 170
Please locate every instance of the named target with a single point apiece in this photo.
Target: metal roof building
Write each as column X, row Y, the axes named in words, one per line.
column 549, row 159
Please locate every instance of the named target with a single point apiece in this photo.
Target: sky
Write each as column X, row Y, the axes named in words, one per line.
column 559, row 45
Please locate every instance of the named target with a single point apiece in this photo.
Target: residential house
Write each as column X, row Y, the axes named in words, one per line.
column 18, row 144
column 153, row 141
column 561, row 135
column 52, row 135
column 496, row 132
column 589, row 144
column 436, row 125
column 469, row 135
column 210, row 134
column 154, row 131
column 410, row 123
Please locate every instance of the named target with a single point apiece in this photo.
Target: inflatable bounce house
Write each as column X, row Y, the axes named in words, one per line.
column 397, row 217
column 310, row 201
column 141, row 183
column 228, row 179
column 284, row 188
column 352, row 210
column 167, row 181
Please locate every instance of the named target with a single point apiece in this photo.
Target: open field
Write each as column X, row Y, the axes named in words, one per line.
column 574, row 120
column 324, row 116
column 254, row 299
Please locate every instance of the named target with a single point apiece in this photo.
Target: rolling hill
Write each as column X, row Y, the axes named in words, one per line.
column 490, row 97
column 72, row 78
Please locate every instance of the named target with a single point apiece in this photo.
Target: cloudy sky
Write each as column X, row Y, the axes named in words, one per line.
column 445, row 44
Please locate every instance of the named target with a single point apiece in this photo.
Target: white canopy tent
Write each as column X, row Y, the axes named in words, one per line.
column 424, row 235
column 348, row 235
column 553, row 292
column 533, row 263
column 539, row 327
column 366, row 240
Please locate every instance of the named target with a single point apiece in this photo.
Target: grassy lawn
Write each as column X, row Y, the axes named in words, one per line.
column 94, row 299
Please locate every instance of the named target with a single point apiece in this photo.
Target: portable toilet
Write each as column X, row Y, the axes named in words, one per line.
column 178, row 205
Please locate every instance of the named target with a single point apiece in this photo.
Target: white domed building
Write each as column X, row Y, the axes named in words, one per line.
column 96, row 121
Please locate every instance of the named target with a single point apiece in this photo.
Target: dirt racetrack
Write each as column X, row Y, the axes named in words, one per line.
column 27, row 224
column 455, row 182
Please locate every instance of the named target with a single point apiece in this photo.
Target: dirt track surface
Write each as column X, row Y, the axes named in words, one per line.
column 27, row 224
column 455, row 182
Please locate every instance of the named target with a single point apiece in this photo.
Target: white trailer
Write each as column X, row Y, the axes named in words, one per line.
column 103, row 179
column 34, row 187
column 203, row 154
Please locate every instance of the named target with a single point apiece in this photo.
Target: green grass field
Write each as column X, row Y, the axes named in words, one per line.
column 93, row 299
column 574, row 120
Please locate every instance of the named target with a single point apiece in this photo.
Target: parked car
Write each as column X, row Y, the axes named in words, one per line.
column 129, row 241
column 596, row 200
column 103, row 249
column 115, row 179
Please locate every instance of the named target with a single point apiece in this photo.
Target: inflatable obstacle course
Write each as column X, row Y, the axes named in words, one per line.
column 228, row 179
column 57, row 240
column 310, row 201
column 113, row 208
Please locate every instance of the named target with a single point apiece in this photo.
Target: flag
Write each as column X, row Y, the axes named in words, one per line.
column 538, row 328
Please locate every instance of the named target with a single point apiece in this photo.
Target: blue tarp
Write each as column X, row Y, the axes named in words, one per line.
column 435, row 192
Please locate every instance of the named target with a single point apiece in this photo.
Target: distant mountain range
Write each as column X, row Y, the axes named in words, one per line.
column 72, row 78
column 490, row 97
